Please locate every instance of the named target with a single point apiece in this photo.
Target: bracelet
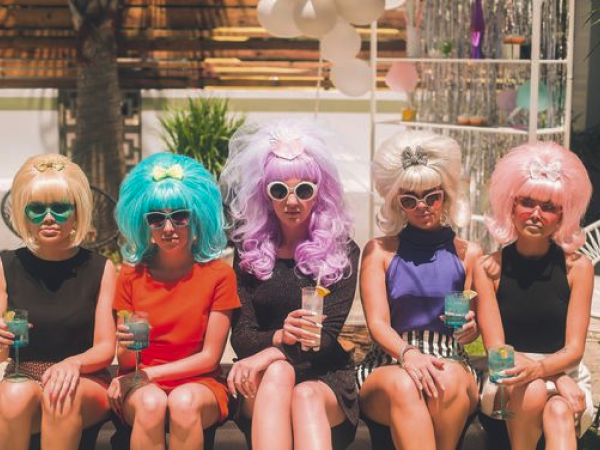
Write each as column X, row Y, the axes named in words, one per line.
column 403, row 351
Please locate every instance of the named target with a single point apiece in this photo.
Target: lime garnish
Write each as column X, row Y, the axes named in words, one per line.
column 124, row 313
column 470, row 294
column 323, row 291
column 8, row 316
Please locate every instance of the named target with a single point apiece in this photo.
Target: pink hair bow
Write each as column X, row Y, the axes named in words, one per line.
column 550, row 171
column 286, row 144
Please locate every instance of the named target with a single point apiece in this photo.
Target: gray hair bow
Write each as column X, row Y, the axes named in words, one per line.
column 413, row 159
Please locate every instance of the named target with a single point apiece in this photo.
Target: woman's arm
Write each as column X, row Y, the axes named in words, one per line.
column 487, row 275
column 103, row 350
column 246, row 337
column 336, row 308
column 376, row 256
column 581, row 280
column 206, row 361
column 3, row 306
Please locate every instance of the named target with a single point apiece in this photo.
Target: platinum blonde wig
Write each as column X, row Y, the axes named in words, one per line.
column 51, row 178
column 417, row 161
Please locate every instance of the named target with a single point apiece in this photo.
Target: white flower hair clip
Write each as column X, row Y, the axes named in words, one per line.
column 551, row 172
column 286, row 143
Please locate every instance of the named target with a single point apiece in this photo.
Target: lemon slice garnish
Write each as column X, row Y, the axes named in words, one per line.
column 323, row 291
column 124, row 313
column 503, row 353
column 470, row 294
column 8, row 316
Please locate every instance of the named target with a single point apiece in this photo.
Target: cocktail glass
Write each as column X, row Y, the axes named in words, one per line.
column 501, row 358
column 18, row 324
column 457, row 306
column 312, row 300
column 137, row 323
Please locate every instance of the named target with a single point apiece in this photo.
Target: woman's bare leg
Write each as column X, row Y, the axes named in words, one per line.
column 192, row 408
column 527, row 403
column 559, row 425
column 315, row 410
column 271, row 409
column 390, row 397
column 63, row 422
column 145, row 410
column 450, row 411
column 20, row 413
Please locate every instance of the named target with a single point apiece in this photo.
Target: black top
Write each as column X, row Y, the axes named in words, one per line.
column 266, row 304
column 533, row 296
column 61, row 298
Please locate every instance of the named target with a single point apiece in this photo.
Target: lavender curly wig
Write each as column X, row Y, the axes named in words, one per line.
column 252, row 165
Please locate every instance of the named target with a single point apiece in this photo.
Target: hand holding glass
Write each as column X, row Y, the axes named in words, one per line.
column 17, row 322
column 312, row 301
column 457, row 306
column 137, row 323
column 501, row 358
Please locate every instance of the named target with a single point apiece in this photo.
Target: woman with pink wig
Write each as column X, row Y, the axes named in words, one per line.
column 294, row 380
column 535, row 293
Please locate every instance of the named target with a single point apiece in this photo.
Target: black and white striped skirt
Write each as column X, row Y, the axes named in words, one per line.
column 428, row 342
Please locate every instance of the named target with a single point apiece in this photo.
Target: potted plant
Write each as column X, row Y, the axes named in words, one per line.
column 202, row 131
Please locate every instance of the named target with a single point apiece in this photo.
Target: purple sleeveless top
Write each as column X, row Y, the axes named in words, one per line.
column 424, row 268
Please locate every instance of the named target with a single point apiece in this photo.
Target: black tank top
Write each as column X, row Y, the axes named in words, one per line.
column 533, row 296
column 61, row 298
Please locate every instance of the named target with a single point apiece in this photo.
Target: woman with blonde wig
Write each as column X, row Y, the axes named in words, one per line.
column 407, row 380
column 535, row 293
column 67, row 291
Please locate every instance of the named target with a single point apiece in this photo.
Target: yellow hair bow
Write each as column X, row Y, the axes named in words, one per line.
column 42, row 166
column 160, row 173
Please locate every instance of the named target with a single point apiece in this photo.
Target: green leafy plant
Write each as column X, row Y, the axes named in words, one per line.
column 202, row 131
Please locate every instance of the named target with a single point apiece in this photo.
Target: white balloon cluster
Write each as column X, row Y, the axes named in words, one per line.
column 332, row 22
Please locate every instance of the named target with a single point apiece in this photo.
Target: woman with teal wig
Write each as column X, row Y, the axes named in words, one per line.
column 158, row 182
column 171, row 218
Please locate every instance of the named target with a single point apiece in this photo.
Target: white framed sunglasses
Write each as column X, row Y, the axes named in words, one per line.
column 279, row 191
column 410, row 202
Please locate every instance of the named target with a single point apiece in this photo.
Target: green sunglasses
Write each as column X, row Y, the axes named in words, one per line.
column 60, row 212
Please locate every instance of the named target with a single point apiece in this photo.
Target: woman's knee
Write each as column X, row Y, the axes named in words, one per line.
column 279, row 374
column 18, row 398
column 305, row 394
column 150, row 405
column 532, row 397
column 185, row 403
column 558, row 413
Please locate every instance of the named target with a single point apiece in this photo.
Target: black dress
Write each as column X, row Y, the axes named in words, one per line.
column 61, row 298
column 266, row 304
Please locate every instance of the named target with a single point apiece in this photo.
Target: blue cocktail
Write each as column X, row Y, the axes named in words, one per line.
column 500, row 359
column 457, row 306
column 17, row 322
column 138, row 325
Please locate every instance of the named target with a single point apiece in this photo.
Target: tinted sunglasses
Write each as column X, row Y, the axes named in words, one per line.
column 36, row 212
column 157, row 220
column 278, row 190
column 409, row 202
column 530, row 204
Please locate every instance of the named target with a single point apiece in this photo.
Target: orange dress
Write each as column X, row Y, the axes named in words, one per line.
column 178, row 315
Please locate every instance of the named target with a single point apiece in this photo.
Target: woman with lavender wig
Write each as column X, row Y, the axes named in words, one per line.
column 290, row 229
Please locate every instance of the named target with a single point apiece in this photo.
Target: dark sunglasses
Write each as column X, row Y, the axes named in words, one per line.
column 278, row 190
column 157, row 220
column 409, row 202
column 36, row 212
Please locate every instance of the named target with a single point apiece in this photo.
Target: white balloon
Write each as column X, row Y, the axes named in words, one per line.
column 393, row 4
column 315, row 18
column 342, row 43
column 277, row 17
column 360, row 12
column 353, row 78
